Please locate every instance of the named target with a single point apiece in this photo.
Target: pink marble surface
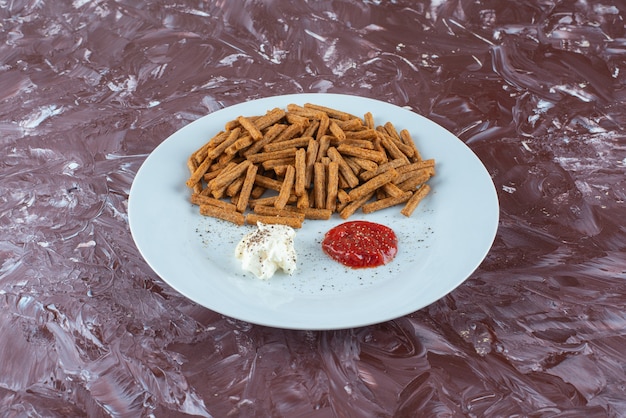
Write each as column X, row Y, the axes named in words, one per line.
column 89, row 89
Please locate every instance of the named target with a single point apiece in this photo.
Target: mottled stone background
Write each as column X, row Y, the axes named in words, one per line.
column 89, row 89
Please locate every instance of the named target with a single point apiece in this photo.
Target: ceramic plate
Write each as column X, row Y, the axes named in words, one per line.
column 439, row 247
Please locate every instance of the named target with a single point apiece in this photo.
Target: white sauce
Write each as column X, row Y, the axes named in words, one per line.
column 268, row 249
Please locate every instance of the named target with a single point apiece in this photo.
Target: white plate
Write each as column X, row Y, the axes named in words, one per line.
column 440, row 246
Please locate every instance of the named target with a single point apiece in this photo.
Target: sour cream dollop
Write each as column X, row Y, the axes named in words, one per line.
column 268, row 249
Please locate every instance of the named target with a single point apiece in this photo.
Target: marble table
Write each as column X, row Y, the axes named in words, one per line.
column 89, row 89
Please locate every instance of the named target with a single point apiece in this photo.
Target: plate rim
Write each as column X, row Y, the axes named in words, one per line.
column 300, row 97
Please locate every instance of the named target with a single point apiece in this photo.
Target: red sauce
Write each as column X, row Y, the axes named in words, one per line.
column 361, row 244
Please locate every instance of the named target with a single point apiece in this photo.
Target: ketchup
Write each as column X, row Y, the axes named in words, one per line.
column 361, row 244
